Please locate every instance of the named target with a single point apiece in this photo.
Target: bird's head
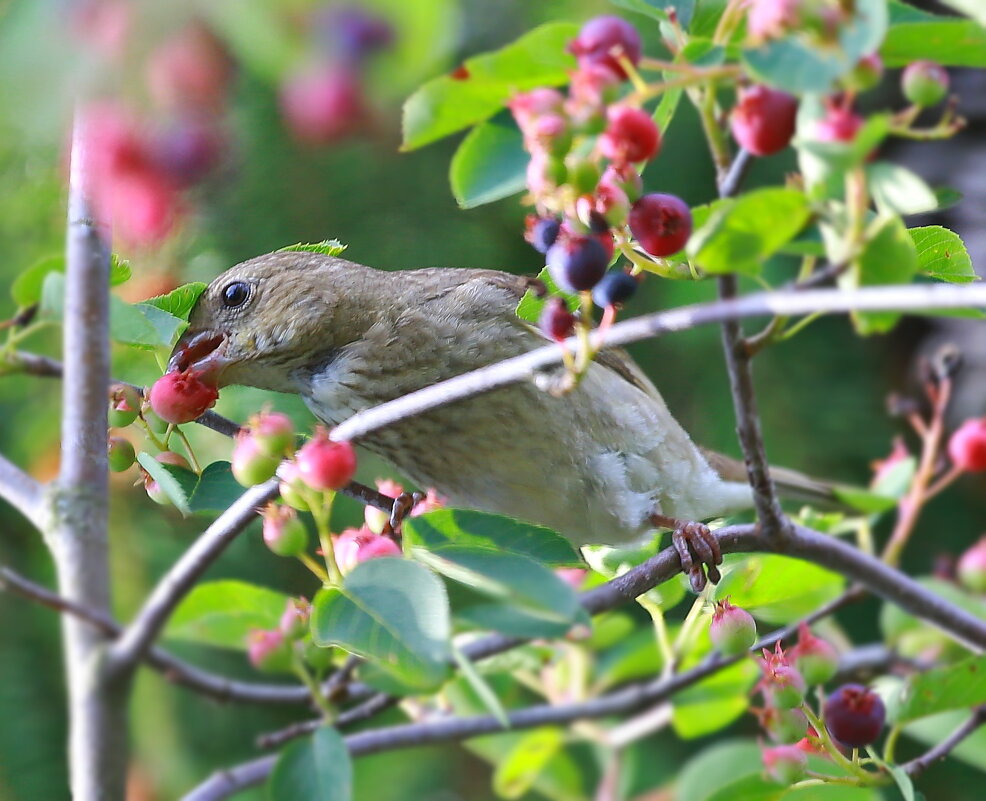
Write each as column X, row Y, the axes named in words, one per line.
column 264, row 321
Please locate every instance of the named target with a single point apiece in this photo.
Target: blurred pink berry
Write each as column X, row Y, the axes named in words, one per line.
column 762, row 121
column 838, row 125
column 283, row 532
column 325, row 465
column 323, row 104
column 732, row 630
column 967, row 445
column 782, row 685
column 355, row 545
column 265, row 649
column 770, row 18
column 883, row 467
column 294, row 620
column 785, row 764
column 291, row 486
column 191, row 70
column 603, row 40
column 972, row 567
column 631, row 135
column 815, row 659
column 527, row 107
column 273, row 433
column 574, row 577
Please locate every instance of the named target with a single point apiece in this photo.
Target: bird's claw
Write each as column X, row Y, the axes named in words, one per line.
column 697, row 548
column 402, row 506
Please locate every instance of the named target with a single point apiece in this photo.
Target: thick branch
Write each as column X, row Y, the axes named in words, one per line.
column 763, row 304
column 920, row 764
column 183, row 575
column 21, row 491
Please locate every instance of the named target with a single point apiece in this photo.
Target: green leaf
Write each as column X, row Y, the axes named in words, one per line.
column 120, row 271
column 826, row 792
column 177, row 482
column 899, row 775
column 800, row 65
column 489, row 164
column 635, row 656
column 327, row 247
column 223, row 613
column 483, row 530
column 394, row 613
column 480, row 686
column 777, row 589
column 716, row 767
column 715, row 702
column 740, row 235
column 889, row 257
column 179, row 301
column 655, row 9
column 667, row 107
column 530, row 306
column 317, row 768
column 510, row 578
column 955, row 43
column 750, row 788
column 166, row 326
column 517, row 772
column 958, row 686
column 942, row 254
column 864, row 500
column 898, row 190
column 26, row 289
column 445, row 105
column 478, row 610
column 215, row 490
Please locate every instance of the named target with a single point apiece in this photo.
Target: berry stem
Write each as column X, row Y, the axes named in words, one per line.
column 664, row 645
column 705, row 103
column 320, row 701
column 731, row 17
column 189, row 450
column 159, row 444
column 662, row 267
column 313, row 565
column 831, row 748
column 320, row 504
column 692, row 79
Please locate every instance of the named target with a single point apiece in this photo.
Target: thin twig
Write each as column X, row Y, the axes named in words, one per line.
column 129, row 649
column 762, row 304
column 920, row 764
column 21, row 491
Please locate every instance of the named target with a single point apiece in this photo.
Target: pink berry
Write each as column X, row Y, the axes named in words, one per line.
column 603, row 39
column 815, row 659
column 624, row 177
column 283, row 532
column 377, row 546
column 191, row 70
column 295, row 619
column 783, row 686
column 356, row 545
column 838, row 125
column 120, row 454
column 769, row 18
column 174, row 459
column 323, row 104
column 251, row 465
column 325, row 465
column 124, row 406
column 574, row 577
column 144, row 207
column 429, row 503
column 266, row 650
column 732, row 630
column 273, row 432
column 527, row 107
column 972, row 567
column 556, row 321
column 925, row 83
column 631, row 135
column 661, row 223
column 967, row 445
column 854, row 715
column 763, row 120
column 785, row 764
column 182, row 397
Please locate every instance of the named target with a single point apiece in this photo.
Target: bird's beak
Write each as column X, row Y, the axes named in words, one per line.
column 202, row 351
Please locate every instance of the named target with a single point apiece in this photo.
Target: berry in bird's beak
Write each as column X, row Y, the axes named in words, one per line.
column 201, row 351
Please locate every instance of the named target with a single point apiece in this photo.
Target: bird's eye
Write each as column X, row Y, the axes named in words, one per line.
column 235, row 294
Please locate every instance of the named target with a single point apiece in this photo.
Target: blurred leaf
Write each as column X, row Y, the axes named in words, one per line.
column 327, row 247
column 666, row 108
column 530, row 306
column 830, row 792
column 215, row 490
column 26, row 289
column 511, row 578
column 715, row 702
column 634, row 656
column 258, row 33
column 864, row 500
column 778, row 589
column 517, row 772
column 480, row 686
column 901, row 12
column 799, row 65
column 176, row 482
column 750, row 788
column 179, row 301
column 739, row 236
column 223, row 613
column 895, row 479
column 951, row 42
column 947, row 197
column 120, row 271
column 889, row 257
column 655, row 9
column 317, row 768
column 478, row 610
column 393, row 612
column 942, row 254
column 958, row 686
column 898, row 190
column 489, row 164
column 445, row 104
column 484, row 530
column 716, row 767
column 911, row 635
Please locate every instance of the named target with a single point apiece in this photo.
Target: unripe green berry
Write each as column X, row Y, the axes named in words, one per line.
column 583, row 175
column 155, row 423
column 816, row 659
column 273, row 433
column 971, row 568
column 250, row 465
column 924, row 83
column 732, row 630
column 785, row 764
column 124, row 406
column 120, row 454
column 284, row 533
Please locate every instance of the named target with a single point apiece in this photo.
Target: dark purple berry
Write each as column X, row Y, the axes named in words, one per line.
column 576, row 263
column 602, row 38
column 854, row 715
column 352, row 33
column 615, row 288
column 542, row 233
column 556, row 321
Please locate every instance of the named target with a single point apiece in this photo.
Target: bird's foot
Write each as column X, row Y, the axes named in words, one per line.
column 697, row 548
column 401, row 508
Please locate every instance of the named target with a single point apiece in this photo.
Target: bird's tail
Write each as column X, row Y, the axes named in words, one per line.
column 791, row 485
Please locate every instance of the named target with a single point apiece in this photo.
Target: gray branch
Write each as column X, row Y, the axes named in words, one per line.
column 920, row 764
column 21, row 491
column 130, row 648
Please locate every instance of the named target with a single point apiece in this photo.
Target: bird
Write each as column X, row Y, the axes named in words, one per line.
column 604, row 463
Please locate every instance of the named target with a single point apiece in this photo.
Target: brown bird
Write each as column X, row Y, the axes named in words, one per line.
column 605, row 463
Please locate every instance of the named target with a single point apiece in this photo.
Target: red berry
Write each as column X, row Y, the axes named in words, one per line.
column 631, row 135
column 972, row 567
column 191, row 70
column 182, row 397
column 556, row 321
column 174, row 459
column 325, row 465
column 967, row 445
column 577, row 262
column 661, row 223
column 838, row 125
column 124, row 406
column 816, row 659
column 925, row 83
column 763, row 120
column 295, row 618
column 602, row 39
column 283, row 532
column 120, row 454
column 854, row 715
column 323, row 104
column 732, row 630
column 785, row 764
column 154, row 490
column 251, row 465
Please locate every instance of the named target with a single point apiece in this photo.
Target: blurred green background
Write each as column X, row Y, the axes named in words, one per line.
column 821, row 396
